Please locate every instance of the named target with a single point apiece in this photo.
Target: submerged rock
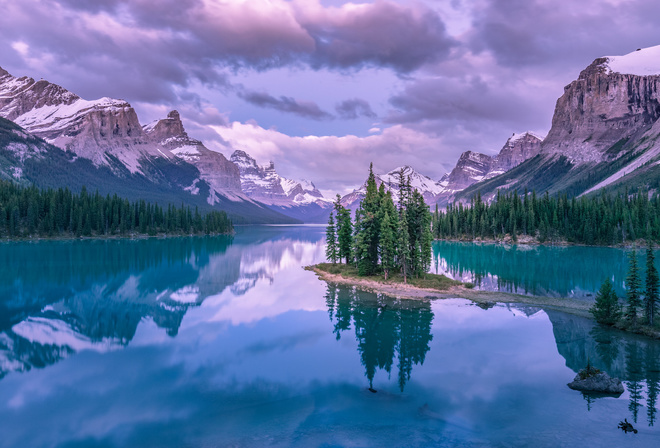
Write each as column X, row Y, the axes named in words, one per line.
column 599, row 382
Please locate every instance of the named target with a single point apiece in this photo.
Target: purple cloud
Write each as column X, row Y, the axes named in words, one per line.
column 354, row 108
column 306, row 109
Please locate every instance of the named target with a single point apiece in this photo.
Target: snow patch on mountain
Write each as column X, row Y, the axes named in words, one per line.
column 643, row 62
column 61, row 116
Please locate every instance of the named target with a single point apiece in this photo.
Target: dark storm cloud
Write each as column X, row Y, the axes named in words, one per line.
column 306, row 109
column 383, row 34
column 148, row 51
column 354, row 108
column 560, row 35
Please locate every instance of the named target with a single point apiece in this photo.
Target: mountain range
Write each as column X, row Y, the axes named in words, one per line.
column 50, row 137
column 604, row 135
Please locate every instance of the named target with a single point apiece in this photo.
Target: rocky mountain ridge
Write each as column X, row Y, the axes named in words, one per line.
column 473, row 167
column 300, row 199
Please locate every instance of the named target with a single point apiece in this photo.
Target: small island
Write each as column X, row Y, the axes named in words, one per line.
column 387, row 249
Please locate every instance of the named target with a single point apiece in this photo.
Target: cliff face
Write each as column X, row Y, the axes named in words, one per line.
column 605, row 133
column 222, row 176
column 599, row 109
column 516, row 150
column 104, row 130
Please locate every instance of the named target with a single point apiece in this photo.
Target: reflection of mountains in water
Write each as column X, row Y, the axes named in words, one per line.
column 538, row 270
column 386, row 329
column 58, row 298
column 633, row 359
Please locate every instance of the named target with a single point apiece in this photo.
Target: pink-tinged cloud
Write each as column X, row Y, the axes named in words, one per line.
column 339, row 163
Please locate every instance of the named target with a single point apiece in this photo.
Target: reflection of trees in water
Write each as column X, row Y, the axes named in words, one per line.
column 538, row 270
column 386, row 329
column 635, row 360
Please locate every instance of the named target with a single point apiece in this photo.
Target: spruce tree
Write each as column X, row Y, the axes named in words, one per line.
column 344, row 231
column 331, row 240
column 607, row 309
column 387, row 244
column 404, row 246
column 651, row 297
column 366, row 229
column 632, row 290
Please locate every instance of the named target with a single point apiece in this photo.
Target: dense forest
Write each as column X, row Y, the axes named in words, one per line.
column 601, row 219
column 31, row 212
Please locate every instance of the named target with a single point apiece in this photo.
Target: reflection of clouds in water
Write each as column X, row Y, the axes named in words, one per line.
column 161, row 289
column 55, row 332
column 187, row 294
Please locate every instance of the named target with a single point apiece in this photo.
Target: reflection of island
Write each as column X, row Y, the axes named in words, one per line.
column 633, row 359
column 57, row 298
column 385, row 328
column 538, row 270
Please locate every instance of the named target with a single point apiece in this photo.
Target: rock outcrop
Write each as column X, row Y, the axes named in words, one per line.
column 600, row 383
column 222, row 176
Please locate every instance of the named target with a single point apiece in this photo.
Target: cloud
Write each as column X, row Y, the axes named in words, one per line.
column 341, row 163
column 145, row 49
column 354, row 108
column 305, row 109
column 560, row 35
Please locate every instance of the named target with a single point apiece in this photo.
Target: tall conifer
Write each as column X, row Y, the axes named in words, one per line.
column 651, row 297
column 632, row 289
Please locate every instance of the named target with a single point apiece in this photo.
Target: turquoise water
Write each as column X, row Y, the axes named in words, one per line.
column 229, row 342
column 573, row 271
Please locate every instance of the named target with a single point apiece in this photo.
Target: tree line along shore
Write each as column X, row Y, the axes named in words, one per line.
column 28, row 212
column 602, row 219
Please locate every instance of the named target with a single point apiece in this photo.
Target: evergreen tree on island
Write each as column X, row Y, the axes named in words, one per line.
column 344, row 231
column 331, row 252
column 651, row 296
column 632, row 290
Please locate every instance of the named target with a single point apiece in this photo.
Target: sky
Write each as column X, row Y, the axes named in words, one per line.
column 324, row 87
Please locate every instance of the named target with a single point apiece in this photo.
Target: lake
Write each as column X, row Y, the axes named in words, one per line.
column 227, row 341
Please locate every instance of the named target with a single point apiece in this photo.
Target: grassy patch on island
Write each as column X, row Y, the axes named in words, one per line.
column 427, row 281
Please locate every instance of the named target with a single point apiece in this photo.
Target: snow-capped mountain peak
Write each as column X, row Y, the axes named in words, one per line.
column 643, row 62
column 264, row 184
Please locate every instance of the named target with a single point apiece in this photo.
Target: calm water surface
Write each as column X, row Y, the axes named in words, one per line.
column 229, row 342
column 573, row 271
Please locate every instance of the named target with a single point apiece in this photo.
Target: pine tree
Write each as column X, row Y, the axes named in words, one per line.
column 607, row 309
column 404, row 246
column 388, row 244
column 367, row 228
column 651, row 297
column 344, row 231
column 331, row 240
column 632, row 290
